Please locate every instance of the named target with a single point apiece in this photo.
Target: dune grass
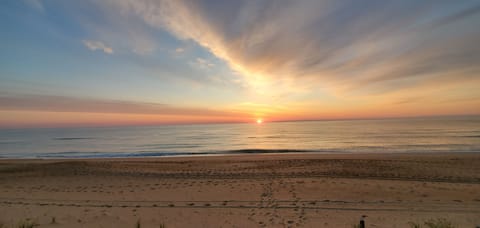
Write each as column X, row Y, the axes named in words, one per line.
column 433, row 223
column 414, row 225
column 27, row 223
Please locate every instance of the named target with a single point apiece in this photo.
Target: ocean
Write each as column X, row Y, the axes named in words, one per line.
column 408, row 135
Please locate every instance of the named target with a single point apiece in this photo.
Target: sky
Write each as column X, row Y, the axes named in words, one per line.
column 143, row 62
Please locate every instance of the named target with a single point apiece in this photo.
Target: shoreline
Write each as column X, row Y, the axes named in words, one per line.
column 238, row 153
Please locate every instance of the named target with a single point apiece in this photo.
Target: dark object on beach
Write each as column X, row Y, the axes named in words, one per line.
column 362, row 221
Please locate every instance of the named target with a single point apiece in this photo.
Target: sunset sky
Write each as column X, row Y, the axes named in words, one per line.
column 128, row 62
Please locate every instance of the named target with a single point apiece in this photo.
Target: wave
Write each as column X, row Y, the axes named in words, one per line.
column 266, row 151
column 170, row 146
column 73, row 138
column 78, row 154
column 146, row 154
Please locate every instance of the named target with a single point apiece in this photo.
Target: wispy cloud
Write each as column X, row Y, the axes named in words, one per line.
column 179, row 50
column 47, row 103
column 340, row 45
column 97, row 45
column 203, row 63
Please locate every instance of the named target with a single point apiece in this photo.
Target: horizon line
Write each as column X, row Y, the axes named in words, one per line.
column 265, row 121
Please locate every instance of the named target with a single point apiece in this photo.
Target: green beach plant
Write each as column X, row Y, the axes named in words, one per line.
column 439, row 223
column 414, row 225
column 433, row 223
column 27, row 223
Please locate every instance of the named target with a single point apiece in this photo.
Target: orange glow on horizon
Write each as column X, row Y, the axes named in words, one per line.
column 22, row 119
column 244, row 113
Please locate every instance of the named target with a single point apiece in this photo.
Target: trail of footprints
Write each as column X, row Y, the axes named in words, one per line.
column 267, row 214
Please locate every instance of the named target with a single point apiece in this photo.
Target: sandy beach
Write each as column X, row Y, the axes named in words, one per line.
column 288, row 190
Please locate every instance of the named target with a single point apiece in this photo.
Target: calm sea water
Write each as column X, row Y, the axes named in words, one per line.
column 453, row 134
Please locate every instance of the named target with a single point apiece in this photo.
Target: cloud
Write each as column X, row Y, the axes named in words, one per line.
column 179, row 50
column 48, row 103
column 457, row 16
column 340, row 46
column 97, row 45
column 203, row 63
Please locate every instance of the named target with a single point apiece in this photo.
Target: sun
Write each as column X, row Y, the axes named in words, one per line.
column 259, row 121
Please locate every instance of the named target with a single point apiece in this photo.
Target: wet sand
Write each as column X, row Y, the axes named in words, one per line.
column 288, row 190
